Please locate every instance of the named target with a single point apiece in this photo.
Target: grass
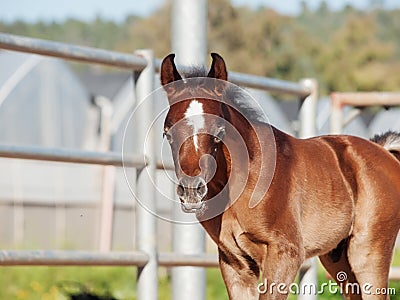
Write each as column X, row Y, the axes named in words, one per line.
column 54, row 283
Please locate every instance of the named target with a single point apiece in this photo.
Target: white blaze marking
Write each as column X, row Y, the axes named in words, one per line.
column 195, row 118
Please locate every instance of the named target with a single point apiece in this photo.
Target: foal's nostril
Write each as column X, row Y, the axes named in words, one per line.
column 180, row 190
column 201, row 188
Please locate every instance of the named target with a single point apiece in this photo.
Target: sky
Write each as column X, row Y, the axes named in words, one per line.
column 117, row 10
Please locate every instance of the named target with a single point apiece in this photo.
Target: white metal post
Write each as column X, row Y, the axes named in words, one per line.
column 307, row 117
column 189, row 43
column 146, row 232
column 107, row 208
column 308, row 109
column 189, row 31
column 336, row 123
column 108, row 176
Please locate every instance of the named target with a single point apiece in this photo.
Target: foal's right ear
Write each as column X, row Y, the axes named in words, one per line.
column 218, row 67
column 169, row 73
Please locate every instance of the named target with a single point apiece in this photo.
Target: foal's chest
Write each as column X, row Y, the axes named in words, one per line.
column 236, row 240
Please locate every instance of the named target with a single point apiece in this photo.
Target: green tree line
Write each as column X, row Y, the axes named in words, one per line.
column 346, row 50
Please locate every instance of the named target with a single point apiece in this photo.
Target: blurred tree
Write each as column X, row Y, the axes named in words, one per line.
column 376, row 3
column 305, row 10
column 152, row 32
column 323, row 8
column 345, row 50
column 348, row 63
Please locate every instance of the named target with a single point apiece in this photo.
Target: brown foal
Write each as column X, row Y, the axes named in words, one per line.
column 269, row 200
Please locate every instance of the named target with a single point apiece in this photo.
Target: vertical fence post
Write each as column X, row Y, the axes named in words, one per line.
column 108, row 176
column 189, row 42
column 307, row 117
column 336, row 121
column 146, row 233
column 308, row 109
column 18, row 204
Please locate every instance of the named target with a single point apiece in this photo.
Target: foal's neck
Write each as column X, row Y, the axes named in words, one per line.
column 234, row 164
column 245, row 128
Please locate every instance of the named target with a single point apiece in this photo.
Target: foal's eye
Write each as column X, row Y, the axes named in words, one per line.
column 219, row 136
column 167, row 136
column 217, row 140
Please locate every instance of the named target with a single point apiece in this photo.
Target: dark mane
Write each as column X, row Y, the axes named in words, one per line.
column 238, row 97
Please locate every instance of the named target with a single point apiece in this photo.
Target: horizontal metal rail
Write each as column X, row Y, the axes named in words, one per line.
column 182, row 260
column 361, row 99
column 72, row 52
column 269, row 84
column 71, row 156
column 92, row 258
column 133, row 62
column 394, row 273
column 259, row 82
column 165, row 166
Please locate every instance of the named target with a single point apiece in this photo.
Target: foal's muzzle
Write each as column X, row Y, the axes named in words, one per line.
column 191, row 192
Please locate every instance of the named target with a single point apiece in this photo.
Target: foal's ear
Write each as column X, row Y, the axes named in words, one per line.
column 218, row 68
column 218, row 71
column 169, row 73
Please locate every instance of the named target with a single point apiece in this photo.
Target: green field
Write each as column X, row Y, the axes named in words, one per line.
column 54, row 283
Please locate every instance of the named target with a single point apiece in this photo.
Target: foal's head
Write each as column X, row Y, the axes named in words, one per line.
column 195, row 129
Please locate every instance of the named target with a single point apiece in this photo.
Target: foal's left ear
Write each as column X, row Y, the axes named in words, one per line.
column 218, row 68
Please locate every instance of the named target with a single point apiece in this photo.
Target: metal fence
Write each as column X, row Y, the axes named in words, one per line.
column 357, row 100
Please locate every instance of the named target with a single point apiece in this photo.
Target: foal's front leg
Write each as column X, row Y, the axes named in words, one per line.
column 279, row 270
column 240, row 276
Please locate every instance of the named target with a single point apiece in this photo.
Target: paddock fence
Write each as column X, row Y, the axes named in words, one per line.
column 357, row 100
